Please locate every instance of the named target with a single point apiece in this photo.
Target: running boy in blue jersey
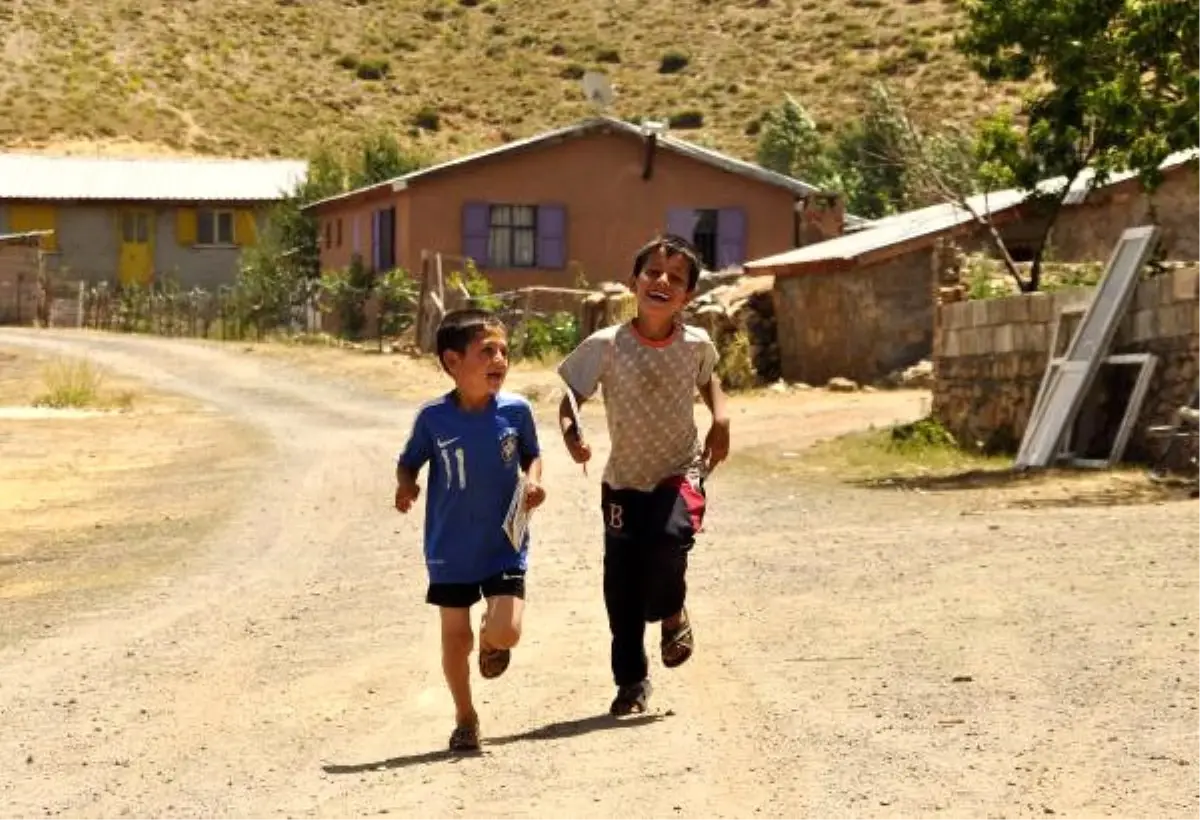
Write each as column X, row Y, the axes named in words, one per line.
column 476, row 439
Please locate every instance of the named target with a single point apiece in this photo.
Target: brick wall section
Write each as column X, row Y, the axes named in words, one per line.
column 989, row 357
column 861, row 324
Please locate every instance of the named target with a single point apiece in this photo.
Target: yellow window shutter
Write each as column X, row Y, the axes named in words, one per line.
column 185, row 226
column 25, row 218
column 245, row 229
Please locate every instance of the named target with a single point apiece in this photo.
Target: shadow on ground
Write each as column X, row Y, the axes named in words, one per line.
column 552, row 731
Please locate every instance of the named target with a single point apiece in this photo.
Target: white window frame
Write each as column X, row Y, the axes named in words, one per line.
column 503, row 229
column 213, row 217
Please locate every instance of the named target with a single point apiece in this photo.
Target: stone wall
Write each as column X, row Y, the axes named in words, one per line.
column 862, row 324
column 1090, row 231
column 989, row 357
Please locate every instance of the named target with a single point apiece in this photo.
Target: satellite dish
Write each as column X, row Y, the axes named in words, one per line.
column 597, row 89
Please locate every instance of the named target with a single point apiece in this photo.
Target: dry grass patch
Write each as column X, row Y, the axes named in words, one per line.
column 78, row 384
column 922, row 457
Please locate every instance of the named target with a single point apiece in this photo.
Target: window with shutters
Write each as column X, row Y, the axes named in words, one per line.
column 512, row 236
column 214, row 227
column 496, row 235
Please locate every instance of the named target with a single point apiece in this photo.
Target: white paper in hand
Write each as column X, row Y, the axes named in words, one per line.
column 575, row 411
column 516, row 523
column 575, row 415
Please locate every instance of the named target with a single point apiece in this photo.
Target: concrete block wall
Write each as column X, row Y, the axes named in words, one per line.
column 989, row 356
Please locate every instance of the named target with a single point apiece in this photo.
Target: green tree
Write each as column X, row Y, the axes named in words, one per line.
column 284, row 269
column 880, row 162
column 297, row 236
column 790, row 143
column 871, row 165
column 381, row 158
column 873, row 175
column 281, row 270
column 1115, row 87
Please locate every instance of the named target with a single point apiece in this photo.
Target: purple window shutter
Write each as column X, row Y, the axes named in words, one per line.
column 376, row 230
column 552, row 237
column 476, row 221
column 682, row 221
column 731, row 237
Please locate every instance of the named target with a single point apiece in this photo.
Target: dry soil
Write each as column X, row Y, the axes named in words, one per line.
column 861, row 652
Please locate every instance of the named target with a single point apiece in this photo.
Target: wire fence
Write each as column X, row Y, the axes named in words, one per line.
column 227, row 313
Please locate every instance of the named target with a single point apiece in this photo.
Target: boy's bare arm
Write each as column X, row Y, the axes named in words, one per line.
column 535, row 493
column 716, row 444
column 567, row 424
column 407, row 488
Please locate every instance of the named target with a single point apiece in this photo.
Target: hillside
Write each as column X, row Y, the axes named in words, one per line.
column 263, row 77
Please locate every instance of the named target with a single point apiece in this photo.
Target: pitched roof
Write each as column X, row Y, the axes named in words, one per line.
column 687, row 149
column 42, row 177
column 893, row 234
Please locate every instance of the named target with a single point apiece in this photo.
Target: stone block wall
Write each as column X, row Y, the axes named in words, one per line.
column 989, row 357
column 862, row 324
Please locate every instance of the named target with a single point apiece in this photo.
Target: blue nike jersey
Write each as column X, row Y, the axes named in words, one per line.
column 474, row 460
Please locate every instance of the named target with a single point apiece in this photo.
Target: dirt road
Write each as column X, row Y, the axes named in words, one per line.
column 860, row 652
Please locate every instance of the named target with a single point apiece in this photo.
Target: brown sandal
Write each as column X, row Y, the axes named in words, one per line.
column 465, row 738
column 678, row 643
column 492, row 662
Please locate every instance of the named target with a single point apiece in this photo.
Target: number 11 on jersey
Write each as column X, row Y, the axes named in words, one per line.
column 460, row 459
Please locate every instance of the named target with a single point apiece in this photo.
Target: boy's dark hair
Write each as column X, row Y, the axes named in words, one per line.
column 671, row 245
column 460, row 327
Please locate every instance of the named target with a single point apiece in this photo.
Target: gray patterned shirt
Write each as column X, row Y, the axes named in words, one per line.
column 649, row 394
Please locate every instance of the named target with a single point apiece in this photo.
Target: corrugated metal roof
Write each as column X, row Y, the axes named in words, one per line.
column 41, row 177
column 696, row 152
column 936, row 219
column 891, row 230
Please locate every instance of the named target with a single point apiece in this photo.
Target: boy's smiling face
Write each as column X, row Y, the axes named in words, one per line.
column 662, row 286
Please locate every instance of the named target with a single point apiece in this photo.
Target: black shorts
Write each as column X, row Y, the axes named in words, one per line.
column 464, row 596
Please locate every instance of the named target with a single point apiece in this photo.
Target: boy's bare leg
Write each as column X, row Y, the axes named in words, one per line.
column 502, row 623
column 457, row 642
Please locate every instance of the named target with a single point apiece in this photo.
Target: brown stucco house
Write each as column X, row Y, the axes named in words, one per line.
column 861, row 305
column 571, row 203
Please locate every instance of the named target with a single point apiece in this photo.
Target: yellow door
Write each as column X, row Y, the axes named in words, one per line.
column 136, row 265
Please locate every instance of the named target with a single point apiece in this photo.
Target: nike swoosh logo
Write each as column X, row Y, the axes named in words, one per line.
column 447, row 442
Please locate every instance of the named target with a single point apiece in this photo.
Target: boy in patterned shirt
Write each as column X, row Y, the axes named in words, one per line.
column 652, row 494
column 476, row 440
